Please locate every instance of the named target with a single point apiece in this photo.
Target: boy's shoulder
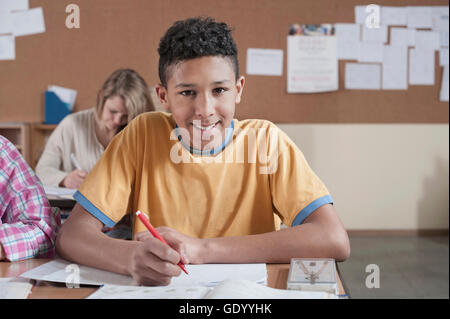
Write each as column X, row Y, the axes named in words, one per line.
column 153, row 119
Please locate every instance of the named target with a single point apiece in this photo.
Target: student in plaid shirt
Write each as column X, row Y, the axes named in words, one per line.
column 28, row 224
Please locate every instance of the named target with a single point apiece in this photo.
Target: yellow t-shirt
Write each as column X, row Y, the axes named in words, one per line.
column 232, row 191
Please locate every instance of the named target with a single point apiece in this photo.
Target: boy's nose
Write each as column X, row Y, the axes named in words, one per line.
column 204, row 106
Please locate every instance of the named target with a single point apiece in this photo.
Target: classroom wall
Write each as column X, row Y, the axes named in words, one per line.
column 381, row 176
column 118, row 33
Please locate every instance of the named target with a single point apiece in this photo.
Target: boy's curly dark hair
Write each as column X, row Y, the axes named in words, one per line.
column 193, row 38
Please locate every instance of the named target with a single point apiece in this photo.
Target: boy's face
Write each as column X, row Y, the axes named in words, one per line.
column 201, row 94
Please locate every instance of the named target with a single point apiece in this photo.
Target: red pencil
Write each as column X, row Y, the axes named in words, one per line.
column 155, row 233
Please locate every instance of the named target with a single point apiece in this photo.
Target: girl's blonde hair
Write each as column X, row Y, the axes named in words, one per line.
column 131, row 87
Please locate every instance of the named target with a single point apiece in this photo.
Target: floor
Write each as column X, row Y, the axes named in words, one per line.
column 408, row 267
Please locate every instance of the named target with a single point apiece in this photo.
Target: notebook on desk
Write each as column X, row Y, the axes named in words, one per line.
column 206, row 275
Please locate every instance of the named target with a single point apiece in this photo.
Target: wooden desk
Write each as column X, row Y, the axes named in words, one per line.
column 276, row 278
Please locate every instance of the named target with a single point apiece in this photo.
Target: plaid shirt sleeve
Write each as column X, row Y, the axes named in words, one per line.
column 28, row 224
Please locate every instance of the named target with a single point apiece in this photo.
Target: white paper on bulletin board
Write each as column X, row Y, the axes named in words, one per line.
column 312, row 64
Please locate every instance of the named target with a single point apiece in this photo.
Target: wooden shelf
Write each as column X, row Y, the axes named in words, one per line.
column 28, row 138
column 19, row 135
column 39, row 134
column 44, row 127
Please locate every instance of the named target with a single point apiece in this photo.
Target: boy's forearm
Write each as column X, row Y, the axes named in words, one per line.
column 307, row 240
column 93, row 248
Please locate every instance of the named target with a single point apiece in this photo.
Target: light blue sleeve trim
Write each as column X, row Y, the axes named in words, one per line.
column 305, row 212
column 83, row 201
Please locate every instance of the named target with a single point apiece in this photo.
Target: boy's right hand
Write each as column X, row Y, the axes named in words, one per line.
column 74, row 179
column 154, row 263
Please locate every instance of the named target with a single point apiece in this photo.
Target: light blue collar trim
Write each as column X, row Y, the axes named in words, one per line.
column 229, row 131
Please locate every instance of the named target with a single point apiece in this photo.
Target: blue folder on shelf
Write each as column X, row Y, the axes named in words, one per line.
column 55, row 108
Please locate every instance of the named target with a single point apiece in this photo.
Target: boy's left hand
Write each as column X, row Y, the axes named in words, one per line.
column 188, row 247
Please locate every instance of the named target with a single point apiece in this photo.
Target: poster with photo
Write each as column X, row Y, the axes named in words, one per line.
column 312, row 64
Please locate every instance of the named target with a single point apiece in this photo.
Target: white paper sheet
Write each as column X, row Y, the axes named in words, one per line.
column 58, row 191
column 360, row 76
column 66, row 95
column 28, row 22
column 14, row 288
column 7, row 47
column 244, row 289
column 264, row 62
column 377, row 35
column 394, row 15
column 427, row 40
column 312, row 64
column 403, row 37
column 229, row 289
column 443, row 56
column 6, row 22
column 212, row 274
column 395, row 68
column 444, row 38
column 419, row 17
column 348, row 40
column 55, row 271
column 129, row 292
column 443, row 96
column 421, row 66
column 199, row 275
column 10, row 5
column 360, row 14
column 440, row 19
column 370, row 52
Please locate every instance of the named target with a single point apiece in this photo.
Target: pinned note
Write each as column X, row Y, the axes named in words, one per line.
column 265, row 62
column 421, row 66
column 28, row 22
column 7, row 47
column 14, row 5
column 360, row 76
column 348, row 40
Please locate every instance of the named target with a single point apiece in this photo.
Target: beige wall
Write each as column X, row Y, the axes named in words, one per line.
column 381, row 176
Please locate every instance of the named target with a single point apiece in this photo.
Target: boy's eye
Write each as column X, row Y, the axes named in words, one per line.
column 219, row 90
column 187, row 93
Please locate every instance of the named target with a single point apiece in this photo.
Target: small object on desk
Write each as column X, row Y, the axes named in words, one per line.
column 313, row 274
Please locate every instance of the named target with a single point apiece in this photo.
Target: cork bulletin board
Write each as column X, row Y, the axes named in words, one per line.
column 115, row 34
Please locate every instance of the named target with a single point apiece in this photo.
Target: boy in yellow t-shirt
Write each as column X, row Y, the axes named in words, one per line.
column 210, row 183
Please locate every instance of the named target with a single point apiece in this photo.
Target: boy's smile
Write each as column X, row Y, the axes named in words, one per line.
column 202, row 93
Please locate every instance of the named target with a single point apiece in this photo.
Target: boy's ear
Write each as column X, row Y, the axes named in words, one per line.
column 239, row 88
column 161, row 92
